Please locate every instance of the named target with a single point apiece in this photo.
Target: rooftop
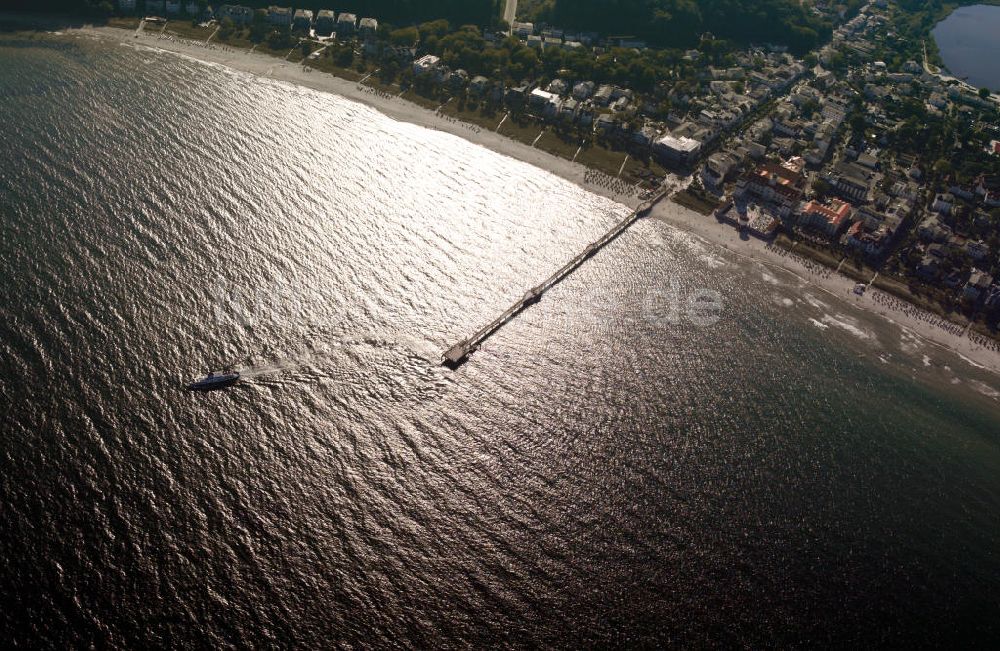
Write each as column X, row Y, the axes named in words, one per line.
column 682, row 143
column 835, row 212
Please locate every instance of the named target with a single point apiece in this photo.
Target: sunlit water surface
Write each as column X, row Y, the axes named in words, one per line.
column 602, row 471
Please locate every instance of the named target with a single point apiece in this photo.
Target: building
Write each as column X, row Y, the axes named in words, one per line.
column 852, row 181
column 569, row 110
column 478, row 85
column 676, row 150
column 978, row 283
column 279, row 16
column 774, row 183
column 830, row 218
column 539, row 98
column 522, row 30
column 992, row 299
column 758, row 221
column 457, row 80
column 368, row 28
column 872, row 232
column 603, row 95
column 866, row 160
column 516, row 95
column 425, row 64
column 715, row 170
column 302, row 20
column 943, row 203
column 239, row 14
column 932, row 230
column 930, row 263
column 988, row 187
column 346, row 24
column 325, row 22
column 558, row 86
column 582, row 90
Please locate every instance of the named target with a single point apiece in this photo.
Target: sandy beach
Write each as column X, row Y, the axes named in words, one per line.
column 928, row 327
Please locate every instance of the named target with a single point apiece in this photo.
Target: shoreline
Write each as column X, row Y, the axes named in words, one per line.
column 706, row 227
column 875, row 302
column 270, row 67
column 943, row 72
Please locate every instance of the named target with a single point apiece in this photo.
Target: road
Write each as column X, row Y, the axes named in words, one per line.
column 510, row 11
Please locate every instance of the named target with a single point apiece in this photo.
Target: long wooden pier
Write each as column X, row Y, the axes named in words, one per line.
column 459, row 353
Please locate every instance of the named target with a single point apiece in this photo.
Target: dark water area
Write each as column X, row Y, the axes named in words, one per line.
column 969, row 43
column 603, row 472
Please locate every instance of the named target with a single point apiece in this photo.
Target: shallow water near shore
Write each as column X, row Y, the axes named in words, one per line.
column 605, row 470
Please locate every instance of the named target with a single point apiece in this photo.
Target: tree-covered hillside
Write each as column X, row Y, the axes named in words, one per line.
column 400, row 12
column 680, row 22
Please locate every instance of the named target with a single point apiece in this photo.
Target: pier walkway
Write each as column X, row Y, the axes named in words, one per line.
column 459, row 353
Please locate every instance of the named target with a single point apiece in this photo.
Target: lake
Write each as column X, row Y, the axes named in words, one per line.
column 969, row 44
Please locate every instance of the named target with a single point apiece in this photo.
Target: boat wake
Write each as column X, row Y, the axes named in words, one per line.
column 318, row 355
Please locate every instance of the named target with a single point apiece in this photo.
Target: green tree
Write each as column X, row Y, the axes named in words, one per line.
column 821, row 187
column 984, row 92
column 404, row 37
column 436, row 28
column 344, row 56
column 258, row 27
column 523, row 63
column 279, row 39
column 226, row 28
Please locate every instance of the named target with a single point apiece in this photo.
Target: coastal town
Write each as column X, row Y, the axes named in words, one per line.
column 852, row 155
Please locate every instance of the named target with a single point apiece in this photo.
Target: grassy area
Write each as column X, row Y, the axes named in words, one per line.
column 525, row 133
column 124, row 22
column 784, row 242
column 637, row 170
column 861, row 273
column 601, row 158
column 818, row 255
column 806, row 251
column 695, row 202
column 487, row 119
column 376, row 83
column 985, row 330
column 418, row 99
column 264, row 48
column 236, row 42
column 297, row 56
column 901, row 289
column 555, row 144
column 185, row 29
column 325, row 64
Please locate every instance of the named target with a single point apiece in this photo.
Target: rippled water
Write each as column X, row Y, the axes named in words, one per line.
column 600, row 473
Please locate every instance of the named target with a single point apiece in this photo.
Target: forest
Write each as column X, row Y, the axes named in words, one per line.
column 399, row 12
column 680, row 23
